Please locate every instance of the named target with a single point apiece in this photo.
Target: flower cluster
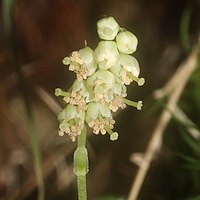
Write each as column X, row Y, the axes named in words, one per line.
column 102, row 77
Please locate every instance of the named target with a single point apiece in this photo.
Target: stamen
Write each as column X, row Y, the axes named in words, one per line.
column 61, row 133
column 140, row 81
column 76, row 58
column 59, row 92
column 137, row 105
column 117, row 103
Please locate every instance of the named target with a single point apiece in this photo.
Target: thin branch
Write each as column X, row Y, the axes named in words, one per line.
column 175, row 87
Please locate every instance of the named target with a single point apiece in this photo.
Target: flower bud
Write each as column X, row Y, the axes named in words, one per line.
column 107, row 28
column 129, row 63
column 126, row 42
column 86, row 55
column 106, row 54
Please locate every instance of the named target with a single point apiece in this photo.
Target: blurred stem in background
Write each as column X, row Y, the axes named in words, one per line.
column 8, row 6
column 184, row 28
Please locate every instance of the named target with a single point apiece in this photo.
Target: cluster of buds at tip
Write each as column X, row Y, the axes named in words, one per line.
column 102, row 78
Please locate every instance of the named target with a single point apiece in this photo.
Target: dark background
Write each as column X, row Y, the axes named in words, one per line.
column 32, row 47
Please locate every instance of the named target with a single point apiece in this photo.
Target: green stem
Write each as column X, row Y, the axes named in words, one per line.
column 81, row 165
column 82, row 190
column 82, row 138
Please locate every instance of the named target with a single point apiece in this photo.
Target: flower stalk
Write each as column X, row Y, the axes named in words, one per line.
column 81, row 165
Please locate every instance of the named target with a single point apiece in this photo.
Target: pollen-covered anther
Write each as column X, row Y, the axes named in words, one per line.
column 78, row 66
column 66, row 99
column 81, row 71
column 125, row 78
column 117, row 103
column 75, row 57
column 98, row 125
column 61, row 133
column 102, row 96
column 73, row 132
column 77, row 98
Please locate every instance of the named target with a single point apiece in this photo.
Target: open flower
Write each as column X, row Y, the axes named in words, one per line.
column 127, row 69
column 71, row 121
column 101, row 84
column 79, row 96
column 106, row 54
column 99, row 118
column 82, row 63
column 118, row 94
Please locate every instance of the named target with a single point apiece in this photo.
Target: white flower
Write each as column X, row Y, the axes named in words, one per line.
column 71, row 121
column 127, row 69
column 82, row 63
column 106, row 54
column 126, row 42
column 107, row 28
column 79, row 95
column 99, row 118
column 101, row 83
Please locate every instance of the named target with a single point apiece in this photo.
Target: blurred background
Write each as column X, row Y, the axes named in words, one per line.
column 34, row 38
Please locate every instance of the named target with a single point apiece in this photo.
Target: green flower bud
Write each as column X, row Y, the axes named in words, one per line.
column 81, row 161
column 107, row 28
column 106, row 54
column 86, row 54
column 126, row 42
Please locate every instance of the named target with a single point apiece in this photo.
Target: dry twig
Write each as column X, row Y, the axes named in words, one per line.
column 174, row 88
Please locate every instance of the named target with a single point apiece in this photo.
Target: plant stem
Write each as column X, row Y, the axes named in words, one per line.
column 82, row 190
column 81, row 165
column 82, row 138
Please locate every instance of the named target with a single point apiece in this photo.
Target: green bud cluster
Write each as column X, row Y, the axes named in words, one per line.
column 102, row 77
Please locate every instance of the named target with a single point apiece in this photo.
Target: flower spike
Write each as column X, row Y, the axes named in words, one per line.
column 102, row 78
